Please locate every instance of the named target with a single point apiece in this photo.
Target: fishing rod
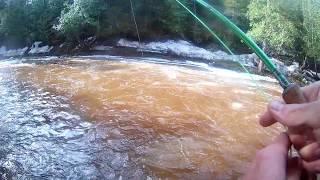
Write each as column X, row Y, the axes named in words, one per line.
column 292, row 93
column 219, row 40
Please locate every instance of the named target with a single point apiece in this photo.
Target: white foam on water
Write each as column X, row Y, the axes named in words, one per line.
column 106, row 57
column 179, row 47
column 236, row 106
column 171, row 73
column 202, row 65
column 219, row 71
column 36, row 49
column 12, row 52
column 49, row 58
column 3, row 49
column 186, row 49
column 13, row 63
column 240, row 91
column 101, row 48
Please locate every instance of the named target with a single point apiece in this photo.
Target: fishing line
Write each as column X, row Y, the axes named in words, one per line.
column 206, row 26
column 226, row 47
column 284, row 82
column 136, row 25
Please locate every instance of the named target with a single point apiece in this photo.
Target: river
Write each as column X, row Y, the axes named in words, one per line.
column 118, row 118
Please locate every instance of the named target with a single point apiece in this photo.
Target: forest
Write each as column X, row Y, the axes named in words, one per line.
column 284, row 28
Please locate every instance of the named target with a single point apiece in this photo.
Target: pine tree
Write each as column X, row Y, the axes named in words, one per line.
column 43, row 14
column 13, row 25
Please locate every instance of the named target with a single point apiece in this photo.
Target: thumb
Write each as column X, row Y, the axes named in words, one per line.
column 296, row 115
column 271, row 161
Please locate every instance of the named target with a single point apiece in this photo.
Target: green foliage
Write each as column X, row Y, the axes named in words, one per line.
column 13, row 24
column 43, row 14
column 71, row 22
column 26, row 21
column 311, row 23
column 96, row 17
column 81, row 17
column 178, row 20
column 283, row 26
column 236, row 10
column 2, row 4
column 2, row 7
column 77, row 19
column 270, row 26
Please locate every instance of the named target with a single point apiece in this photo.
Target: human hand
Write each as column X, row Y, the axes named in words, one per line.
column 303, row 121
column 272, row 162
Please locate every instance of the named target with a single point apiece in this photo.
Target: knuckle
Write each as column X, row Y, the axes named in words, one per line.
column 292, row 116
column 312, row 166
column 316, row 168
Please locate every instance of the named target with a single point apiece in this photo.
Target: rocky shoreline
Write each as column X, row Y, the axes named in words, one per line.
column 170, row 49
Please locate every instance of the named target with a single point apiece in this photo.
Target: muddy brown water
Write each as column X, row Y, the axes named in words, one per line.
column 88, row 119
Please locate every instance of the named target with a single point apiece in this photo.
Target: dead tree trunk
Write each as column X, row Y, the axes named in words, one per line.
column 261, row 65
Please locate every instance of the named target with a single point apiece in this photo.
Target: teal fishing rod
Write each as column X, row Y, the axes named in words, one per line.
column 292, row 93
column 249, row 42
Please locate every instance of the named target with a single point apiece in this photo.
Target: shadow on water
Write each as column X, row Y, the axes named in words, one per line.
column 86, row 119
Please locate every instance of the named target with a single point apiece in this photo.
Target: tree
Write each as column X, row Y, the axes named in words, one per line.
column 236, row 10
column 81, row 18
column 311, row 23
column 43, row 14
column 13, row 25
column 270, row 26
column 153, row 17
column 2, row 4
column 2, row 7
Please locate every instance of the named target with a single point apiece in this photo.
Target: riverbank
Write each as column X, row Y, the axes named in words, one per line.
column 168, row 49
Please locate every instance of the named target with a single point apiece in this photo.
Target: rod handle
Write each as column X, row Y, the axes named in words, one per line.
column 294, row 95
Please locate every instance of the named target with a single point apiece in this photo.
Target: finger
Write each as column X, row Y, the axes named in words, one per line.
column 316, row 134
column 312, row 92
column 294, row 169
column 271, row 162
column 299, row 141
column 277, row 150
column 313, row 167
column 281, row 144
column 310, row 152
column 296, row 115
column 266, row 119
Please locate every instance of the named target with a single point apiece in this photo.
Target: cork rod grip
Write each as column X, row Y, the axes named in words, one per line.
column 294, row 95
